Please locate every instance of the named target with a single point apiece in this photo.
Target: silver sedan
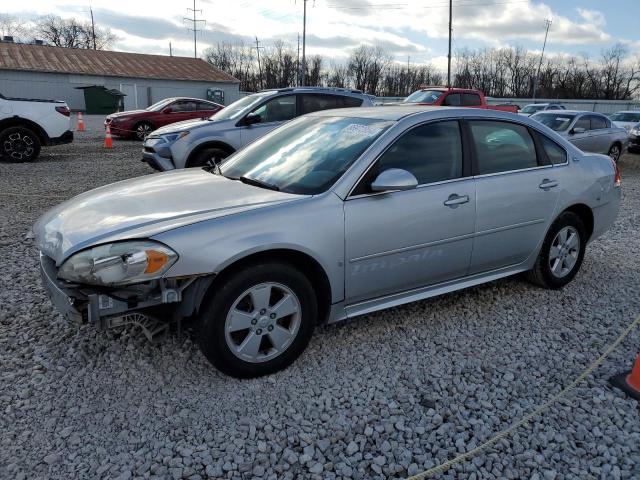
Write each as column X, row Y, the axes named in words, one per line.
column 589, row 131
column 333, row 215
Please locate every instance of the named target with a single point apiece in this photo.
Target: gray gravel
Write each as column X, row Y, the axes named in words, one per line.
column 384, row 396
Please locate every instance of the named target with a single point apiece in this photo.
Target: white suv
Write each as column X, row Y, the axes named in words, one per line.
column 27, row 124
column 197, row 143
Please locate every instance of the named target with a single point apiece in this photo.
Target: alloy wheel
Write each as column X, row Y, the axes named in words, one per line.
column 614, row 153
column 19, row 146
column 143, row 130
column 263, row 322
column 564, row 251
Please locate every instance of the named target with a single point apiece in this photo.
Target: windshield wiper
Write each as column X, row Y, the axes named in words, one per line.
column 259, row 183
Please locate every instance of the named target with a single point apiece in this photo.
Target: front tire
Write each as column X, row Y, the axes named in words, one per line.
column 143, row 129
column 208, row 157
column 561, row 254
column 258, row 320
column 18, row 145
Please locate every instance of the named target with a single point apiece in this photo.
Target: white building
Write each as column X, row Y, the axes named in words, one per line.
column 40, row 71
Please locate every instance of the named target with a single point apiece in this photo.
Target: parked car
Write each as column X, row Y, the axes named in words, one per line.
column 140, row 123
column 534, row 108
column 333, row 215
column 589, row 131
column 27, row 124
column 626, row 120
column 634, row 139
column 454, row 97
column 208, row 142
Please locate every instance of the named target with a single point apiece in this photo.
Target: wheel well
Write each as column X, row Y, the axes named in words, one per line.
column 585, row 214
column 23, row 122
column 303, row 262
column 200, row 148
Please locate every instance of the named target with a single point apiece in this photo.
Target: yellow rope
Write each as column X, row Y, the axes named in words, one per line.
column 475, row 451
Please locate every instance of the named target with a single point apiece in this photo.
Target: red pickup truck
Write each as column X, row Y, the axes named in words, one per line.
column 454, row 97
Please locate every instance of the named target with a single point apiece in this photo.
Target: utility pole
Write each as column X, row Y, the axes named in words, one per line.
column 170, row 50
column 450, row 35
column 195, row 28
column 93, row 29
column 304, row 43
column 547, row 24
column 298, row 64
column 258, row 47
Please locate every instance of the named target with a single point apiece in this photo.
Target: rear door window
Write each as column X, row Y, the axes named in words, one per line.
column 502, row 146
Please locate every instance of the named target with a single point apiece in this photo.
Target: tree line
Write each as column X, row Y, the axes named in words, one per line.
column 499, row 72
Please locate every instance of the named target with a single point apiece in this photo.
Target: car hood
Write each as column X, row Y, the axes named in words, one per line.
column 145, row 206
column 128, row 113
column 184, row 126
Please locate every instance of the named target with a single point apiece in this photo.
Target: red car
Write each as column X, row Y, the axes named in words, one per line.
column 454, row 97
column 140, row 123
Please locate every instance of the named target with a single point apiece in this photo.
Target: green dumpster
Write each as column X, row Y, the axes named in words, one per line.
column 101, row 100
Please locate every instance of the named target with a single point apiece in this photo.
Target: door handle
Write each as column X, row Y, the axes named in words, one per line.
column 454, row 200
column 548, row 184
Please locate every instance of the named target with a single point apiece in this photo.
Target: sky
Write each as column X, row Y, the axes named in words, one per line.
column 410, row 30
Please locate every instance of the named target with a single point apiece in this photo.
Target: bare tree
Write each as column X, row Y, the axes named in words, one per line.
column 13, row 27
column 70, row 33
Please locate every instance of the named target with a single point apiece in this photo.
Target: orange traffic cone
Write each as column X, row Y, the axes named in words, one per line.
column 629, row 382
column 80, row 122
column 108, row 143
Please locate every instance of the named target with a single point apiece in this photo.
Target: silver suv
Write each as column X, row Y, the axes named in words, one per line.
column 200, row 143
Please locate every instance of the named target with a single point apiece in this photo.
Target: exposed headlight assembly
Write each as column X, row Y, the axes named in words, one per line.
column 120, row 263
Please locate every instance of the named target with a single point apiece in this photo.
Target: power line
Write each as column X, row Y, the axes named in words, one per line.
column 195, row 28
column 258, row 47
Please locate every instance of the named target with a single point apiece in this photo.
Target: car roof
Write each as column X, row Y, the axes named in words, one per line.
column 398, row 112
column 627, row 111
column 329, row 90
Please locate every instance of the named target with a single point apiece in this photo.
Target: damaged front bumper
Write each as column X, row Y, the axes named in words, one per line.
column 111, row 307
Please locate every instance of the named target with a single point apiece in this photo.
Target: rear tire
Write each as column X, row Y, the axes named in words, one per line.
column 18, row 145
column 258, row 320
column 208, row 157
column 561, row 254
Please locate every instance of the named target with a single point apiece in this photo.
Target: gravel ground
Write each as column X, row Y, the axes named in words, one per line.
column 383, row 396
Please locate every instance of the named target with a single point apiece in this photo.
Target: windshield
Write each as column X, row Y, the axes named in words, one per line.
column 532, row 108
column 236, row 108
column 625, row 117
column 307, row 155
column 156, row 107
column 555, row 121
column 423, row 96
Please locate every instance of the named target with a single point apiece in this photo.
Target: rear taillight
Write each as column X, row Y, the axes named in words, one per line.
column 64, row 111
column 617, row 179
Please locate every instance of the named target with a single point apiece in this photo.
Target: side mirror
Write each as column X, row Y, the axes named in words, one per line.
column 252, row 119
column 575, row 130
column 394, row 179
column 167, row 110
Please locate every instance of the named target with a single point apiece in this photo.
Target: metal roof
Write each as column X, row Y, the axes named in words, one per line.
column 43, row 58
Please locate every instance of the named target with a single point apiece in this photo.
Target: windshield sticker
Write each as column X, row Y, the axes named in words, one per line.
column 355, row 129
